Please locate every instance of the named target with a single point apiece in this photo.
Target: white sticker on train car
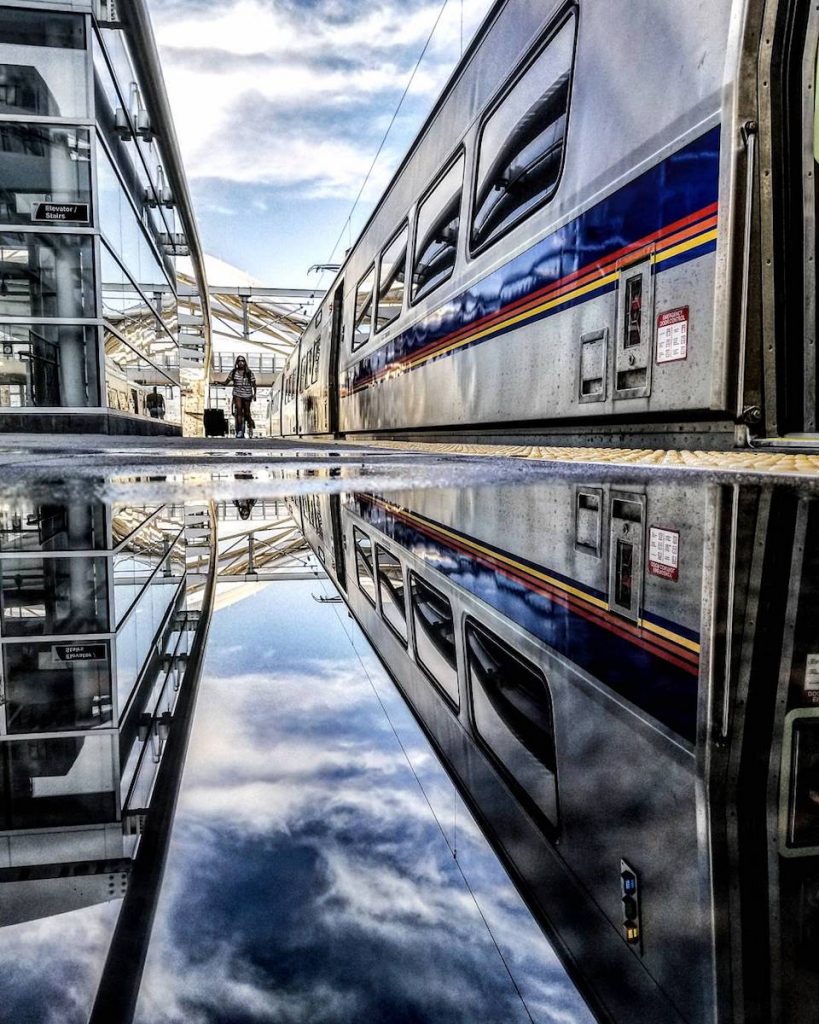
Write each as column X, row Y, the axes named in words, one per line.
column 664, row 553
column 811, row 686
column 672, row 335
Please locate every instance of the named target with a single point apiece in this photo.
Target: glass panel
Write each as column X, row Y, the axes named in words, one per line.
column 46, row 275
column 144, row 549
column 124, row 233
column 136, row 637
column 362, row 325
column 41, row 526
column 624, row 573
column 45, row 596
column 803, row 796
column 53, row 686
column 23, row 27
column 391, row 588
column 436, row 232
column 364, row 563
column 521, row 146
column 40, row 164
column 513, row 715
column 632, row 328
column 42, row 63
column 391, row 276
column 133, row 381
column 435, row 636
column 60, row 781
column 48, row 366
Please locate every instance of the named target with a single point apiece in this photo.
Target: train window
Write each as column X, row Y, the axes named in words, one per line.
column 391, row 276
column 319, row 316
column 362, row 324
column 436, row 232
column 588, row 521
column 391, row 589
column 512, row 711
column 633, row 320
column 364, row 563
column 520, row 150
column 799, row 787
column 316, row 353
column 434, row 629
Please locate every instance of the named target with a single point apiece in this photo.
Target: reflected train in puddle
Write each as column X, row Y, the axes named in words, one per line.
column 622, row 679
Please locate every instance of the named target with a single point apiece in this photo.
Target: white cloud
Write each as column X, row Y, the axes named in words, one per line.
column 251, row 85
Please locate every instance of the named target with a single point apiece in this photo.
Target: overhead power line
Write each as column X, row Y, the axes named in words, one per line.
column 348, row 221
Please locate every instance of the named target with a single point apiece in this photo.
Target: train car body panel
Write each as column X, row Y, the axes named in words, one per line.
column 532, row 327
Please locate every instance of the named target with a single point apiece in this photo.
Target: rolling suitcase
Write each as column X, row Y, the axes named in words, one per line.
column 216, row 424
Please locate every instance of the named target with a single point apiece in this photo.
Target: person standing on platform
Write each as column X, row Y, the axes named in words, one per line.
column 155, row 404
column 244, row 392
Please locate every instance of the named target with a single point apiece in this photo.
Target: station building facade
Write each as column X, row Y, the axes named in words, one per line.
column 94, row 209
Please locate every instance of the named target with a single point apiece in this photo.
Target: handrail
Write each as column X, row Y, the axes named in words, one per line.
column 122, row 974
column 137, row 25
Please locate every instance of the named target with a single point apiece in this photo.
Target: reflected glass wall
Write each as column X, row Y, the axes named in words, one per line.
column 95, row 635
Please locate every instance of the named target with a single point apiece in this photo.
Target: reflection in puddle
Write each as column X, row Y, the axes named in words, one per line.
column 541, row 752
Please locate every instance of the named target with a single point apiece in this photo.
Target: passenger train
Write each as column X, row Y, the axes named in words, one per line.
column 605, row 230
column 629, row 708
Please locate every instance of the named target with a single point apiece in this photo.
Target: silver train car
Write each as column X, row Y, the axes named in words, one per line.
column 630, row 710
column 605, row 229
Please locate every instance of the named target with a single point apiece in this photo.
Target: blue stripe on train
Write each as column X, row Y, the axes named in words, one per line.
column 662, row 690
column 682, row 184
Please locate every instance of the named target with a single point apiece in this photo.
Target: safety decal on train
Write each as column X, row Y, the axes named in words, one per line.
column 672, row 335
column 664, row 553
column 810, row 688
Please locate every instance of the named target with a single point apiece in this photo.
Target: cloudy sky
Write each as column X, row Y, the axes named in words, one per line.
column 281, row 105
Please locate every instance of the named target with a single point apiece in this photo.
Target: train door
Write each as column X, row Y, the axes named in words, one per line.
column 336, row 337
column 338, row 540
column 810, row 167
column 786, row 173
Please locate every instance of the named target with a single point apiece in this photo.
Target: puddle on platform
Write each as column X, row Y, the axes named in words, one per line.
column 358, row 744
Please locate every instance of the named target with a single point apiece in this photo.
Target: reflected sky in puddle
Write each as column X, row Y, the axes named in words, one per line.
column 308, row 878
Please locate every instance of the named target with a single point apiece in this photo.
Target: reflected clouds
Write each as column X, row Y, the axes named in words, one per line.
column 308, row 879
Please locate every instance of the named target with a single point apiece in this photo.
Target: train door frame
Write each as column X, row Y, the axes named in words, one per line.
column 785, row 174
column 336, row 335
column 630, row 532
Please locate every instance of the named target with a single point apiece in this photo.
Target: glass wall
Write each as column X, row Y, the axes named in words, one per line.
column 46, row 275
column 48, row 84
column 53, row 264
column 27, row 525
column 48, row 366
column 43, row 168
column 48, row 596
column 53, row 686
column 67, row 780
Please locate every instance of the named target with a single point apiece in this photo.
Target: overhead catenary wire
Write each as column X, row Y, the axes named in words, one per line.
column 348, row 222
column 452, row 848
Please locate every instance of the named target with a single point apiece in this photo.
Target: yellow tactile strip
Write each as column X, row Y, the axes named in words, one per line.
column 740, row 460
